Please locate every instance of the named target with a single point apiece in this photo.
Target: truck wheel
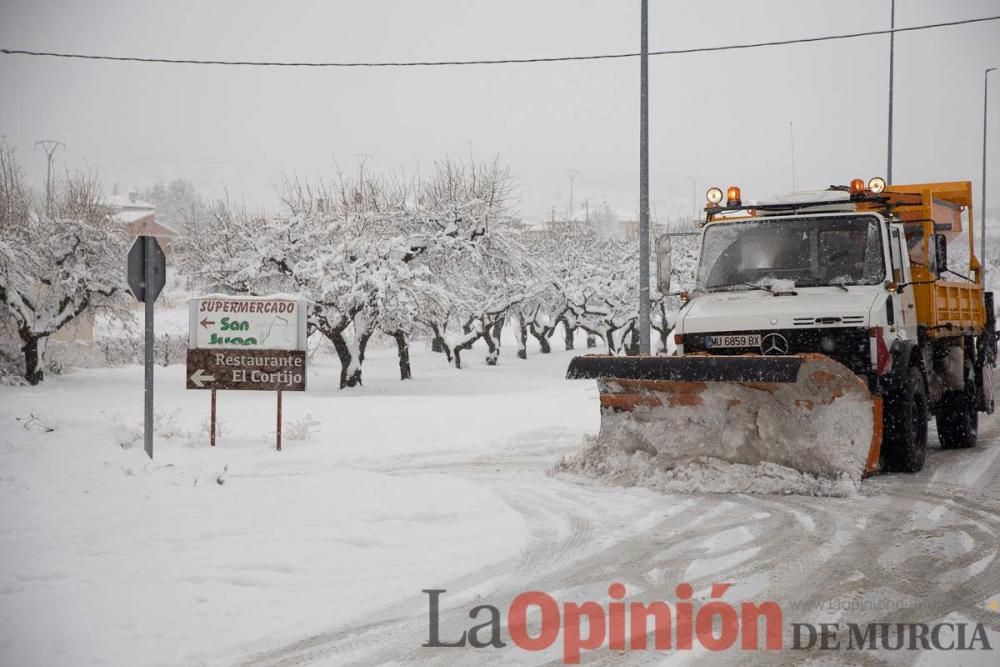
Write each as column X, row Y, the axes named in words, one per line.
column 958, row 420
column 906, row 425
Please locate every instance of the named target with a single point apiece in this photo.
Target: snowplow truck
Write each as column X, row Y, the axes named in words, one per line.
column 824, row 330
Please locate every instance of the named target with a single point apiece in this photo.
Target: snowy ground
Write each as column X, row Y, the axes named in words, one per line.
column 318, row 554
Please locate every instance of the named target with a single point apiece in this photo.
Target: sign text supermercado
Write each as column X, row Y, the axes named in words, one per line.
column 248, row 343
column 263, row 323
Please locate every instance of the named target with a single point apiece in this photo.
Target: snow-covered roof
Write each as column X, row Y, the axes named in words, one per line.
column 129, row 201
column 128, row 217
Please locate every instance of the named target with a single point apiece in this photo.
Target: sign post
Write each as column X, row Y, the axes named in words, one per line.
column 147, row 272
column 213, row 419
column 278, row 429
column 247, row 344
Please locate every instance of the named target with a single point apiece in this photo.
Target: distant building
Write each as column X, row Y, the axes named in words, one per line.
column 80, row 329
column 138, row 217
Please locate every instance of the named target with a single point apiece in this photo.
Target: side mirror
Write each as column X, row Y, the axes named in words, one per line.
column 941, row 253
column 663, row 264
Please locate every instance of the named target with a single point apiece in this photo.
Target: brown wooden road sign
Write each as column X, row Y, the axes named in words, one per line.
column 255, row 370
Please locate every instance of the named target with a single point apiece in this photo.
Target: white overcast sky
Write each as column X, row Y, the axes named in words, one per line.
column 720, row 118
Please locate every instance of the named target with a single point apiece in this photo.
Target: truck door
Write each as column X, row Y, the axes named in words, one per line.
column 903, row 304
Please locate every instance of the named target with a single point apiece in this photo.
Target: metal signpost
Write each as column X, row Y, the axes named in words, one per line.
column 644, row 181
column 248, row 344
column 147, row 273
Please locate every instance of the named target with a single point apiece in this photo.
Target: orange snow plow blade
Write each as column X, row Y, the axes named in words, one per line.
column 806, row 412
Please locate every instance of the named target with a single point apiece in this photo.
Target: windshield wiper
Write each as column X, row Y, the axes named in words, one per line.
column 757, row 286
column 765, row 288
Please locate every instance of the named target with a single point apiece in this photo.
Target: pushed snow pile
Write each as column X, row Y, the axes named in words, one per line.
column 822, row 423
column 617, row 466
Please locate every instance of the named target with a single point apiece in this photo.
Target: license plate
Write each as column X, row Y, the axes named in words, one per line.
column 735, row 340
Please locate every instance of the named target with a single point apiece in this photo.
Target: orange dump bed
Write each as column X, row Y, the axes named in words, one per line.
column 949, row 307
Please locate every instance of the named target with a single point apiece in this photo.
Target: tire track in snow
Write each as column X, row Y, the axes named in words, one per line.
column 864, row 572
column 802, row 549
column 560, row 531
column 667, row 548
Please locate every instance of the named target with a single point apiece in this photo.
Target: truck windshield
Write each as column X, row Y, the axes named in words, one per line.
column 800, row 252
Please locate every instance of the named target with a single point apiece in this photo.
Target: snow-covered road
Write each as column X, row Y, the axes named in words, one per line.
column 908, row 549
column 445, row 483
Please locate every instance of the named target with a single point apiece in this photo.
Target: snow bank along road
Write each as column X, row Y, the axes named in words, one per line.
column 319, row 554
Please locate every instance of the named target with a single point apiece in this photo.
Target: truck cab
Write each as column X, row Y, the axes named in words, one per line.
column 826, row 282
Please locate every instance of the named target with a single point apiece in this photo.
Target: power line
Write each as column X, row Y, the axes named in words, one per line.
column 505, row 61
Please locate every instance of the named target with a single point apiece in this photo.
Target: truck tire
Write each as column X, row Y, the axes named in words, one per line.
column 905, row 440
column 958, row 419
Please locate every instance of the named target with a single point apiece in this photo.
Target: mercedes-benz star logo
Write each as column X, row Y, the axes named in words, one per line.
column 774, row 343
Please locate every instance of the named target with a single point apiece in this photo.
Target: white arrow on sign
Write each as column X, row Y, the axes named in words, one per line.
column 199, row 378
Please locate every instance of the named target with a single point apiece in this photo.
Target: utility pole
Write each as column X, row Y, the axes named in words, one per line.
column 694, row 201
column 892, row 53
column 644, row 182
column 982, row 208
column 572, row 173
column 362, row 159
column 49, row 146
column 791, row 138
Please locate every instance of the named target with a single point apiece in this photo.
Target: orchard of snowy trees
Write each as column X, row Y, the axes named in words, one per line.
column 441, row 259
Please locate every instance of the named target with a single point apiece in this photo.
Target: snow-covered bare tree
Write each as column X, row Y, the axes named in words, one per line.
column 52, row 270
column 465, row 211
column 601, row 288
column 664, row 307
column 591, row 281
column 329, row 244
column 567, row 252
column 320, row 252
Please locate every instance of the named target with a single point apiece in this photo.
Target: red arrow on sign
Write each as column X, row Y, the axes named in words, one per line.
column 205, row 322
